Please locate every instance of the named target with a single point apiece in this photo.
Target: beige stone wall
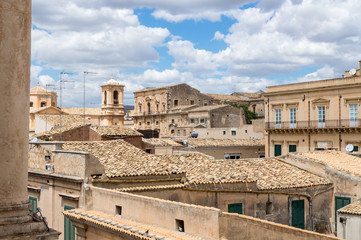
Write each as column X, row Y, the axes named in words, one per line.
column 246, row 152
column 234, row 227
column 200, row 221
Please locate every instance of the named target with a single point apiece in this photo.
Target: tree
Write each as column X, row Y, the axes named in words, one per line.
column 247, row 113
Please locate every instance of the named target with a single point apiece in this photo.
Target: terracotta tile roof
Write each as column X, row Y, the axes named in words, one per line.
column 120, row 158
column 79, row 110
column 150, row 188
column 269, row 173
column 353, row 208
column 340, row 161
column 66, row 120
column 113, row 131
column 157, row 88
column 207, row 108
column 39, row 89
column 224, row 97
column 134, row 229
column 47, row 134
column 161, row 142
column 210, row 142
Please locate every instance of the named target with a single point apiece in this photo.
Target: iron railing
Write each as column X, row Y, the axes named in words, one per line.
column 344, row 123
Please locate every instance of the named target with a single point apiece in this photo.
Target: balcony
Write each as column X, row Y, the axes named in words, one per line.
column 344, row 125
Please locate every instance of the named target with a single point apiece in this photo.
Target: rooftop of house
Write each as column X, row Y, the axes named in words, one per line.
column 248, row 95
column 46, row 135
column 341, row 161
column 211, row 142
column 207, row 108
column 135, row 229
column 161, row 142
column 353, row 208
column 268, row 173
column 66, row 119
column 80, row 110
column 121, row 159
column 224, row 97
column 157, row 88
column 115, row 130
column 39, row 89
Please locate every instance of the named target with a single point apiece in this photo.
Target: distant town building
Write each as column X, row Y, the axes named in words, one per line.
column 178, row 110
column 309, row 116
column 45, row 115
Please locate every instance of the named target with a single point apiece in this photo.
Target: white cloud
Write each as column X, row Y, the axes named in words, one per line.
column 218, row 36
column 325, row 72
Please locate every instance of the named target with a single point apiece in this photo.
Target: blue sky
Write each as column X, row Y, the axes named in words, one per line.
column 214, row 46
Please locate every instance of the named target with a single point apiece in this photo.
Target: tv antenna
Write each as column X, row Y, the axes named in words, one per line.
column 61, row 96
column 85, row 73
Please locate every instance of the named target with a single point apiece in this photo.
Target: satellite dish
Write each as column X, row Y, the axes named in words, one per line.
column 349, row 148
column 352, row 71
column 185, row 142
column 34, row 140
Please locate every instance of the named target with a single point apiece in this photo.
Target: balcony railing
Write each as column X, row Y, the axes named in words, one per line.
column 344, row 123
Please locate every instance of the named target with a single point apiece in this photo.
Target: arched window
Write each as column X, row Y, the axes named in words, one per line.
column 105, row 97
column 115, row 97
column 43, row 104
column 31, row 104
column 148, row 108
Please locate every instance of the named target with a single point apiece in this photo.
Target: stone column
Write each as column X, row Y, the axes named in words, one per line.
column 15, row 29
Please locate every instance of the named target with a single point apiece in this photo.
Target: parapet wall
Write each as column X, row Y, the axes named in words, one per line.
column 234, row 227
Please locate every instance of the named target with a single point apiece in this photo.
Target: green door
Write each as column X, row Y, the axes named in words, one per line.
column 278, row 150
column 69, row 229
column 298, row 214
column 340, row 202
column 235, row 208
column 34, row 204
column 292, row 148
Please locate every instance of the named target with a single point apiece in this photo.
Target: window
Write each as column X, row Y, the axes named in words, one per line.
column 178, row 132
column 278, row 118
column 69, row 229
column 184, row 132
column 298, row 214
column 140, row 123
column 43, row 104
column 353, row 115
column 269, row 207
column 105, row 97
column 118, row 210
column 156, row 123
column 355, row 149
column 172, row 131
column 192, row 102
column 148, row 123
column 34, row 204
column 224, row 132
column 31, row 104
column 172, row 120
column 292, row 148
column 140, row 108
column 175, row 103
column 115, row 97
column 232, row 156
column 192, row 120
column 292, row 117
column 233, row 132
column 235, row 208
column 179, row 225
column 157, row 107
column 205, row 104
column 321, row 116
column 202, row 120
column 148, row 104
column 278, row 150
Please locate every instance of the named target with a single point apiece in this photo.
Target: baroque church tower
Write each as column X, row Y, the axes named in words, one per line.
column 112, row 103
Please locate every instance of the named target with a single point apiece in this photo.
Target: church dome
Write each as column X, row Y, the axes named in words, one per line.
column 112, row 82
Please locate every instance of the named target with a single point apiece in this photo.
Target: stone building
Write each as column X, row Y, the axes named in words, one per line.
column 308, row 116
column 227, row 148
column 177, row 110
column 349, row 221
column 45, row 114
column 341, row 168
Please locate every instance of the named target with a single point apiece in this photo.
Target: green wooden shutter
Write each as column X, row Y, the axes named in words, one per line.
column 34, row 204
column 278, row 150
column 298, row 214
column 292, row 148
column 69, row 229
column 340, row 202
column 235, row 208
